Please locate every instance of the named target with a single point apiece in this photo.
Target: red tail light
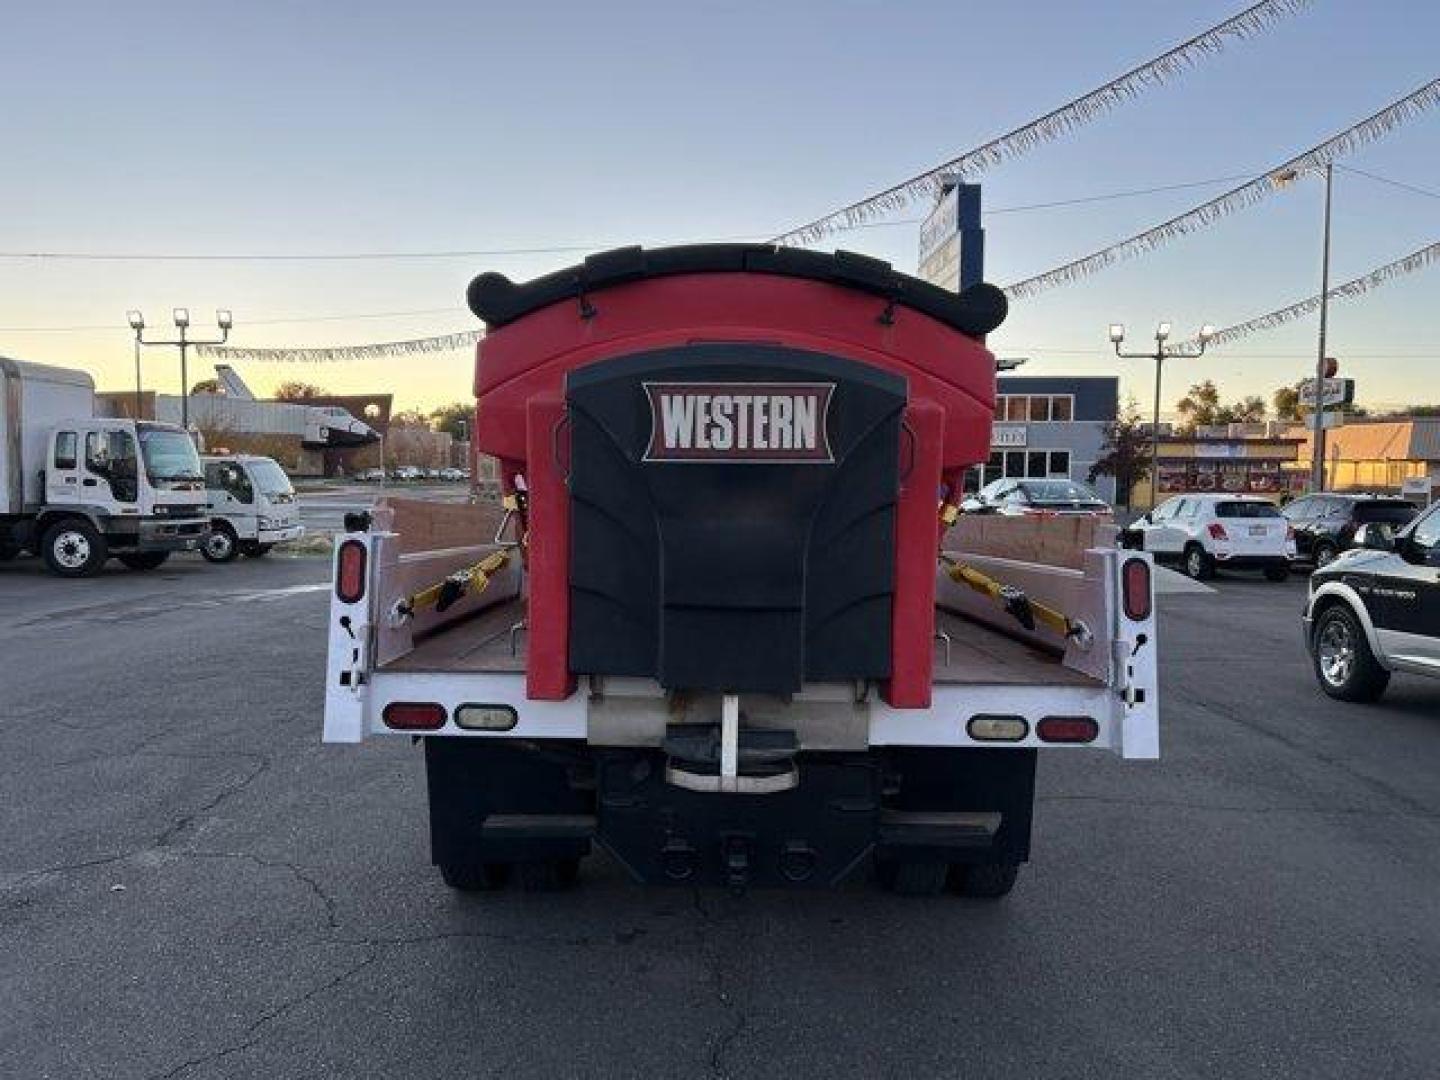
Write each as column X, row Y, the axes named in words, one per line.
column 1067, row 729
column 1217, row 531
column 414, row 716
column 350, row 572
column 1135, row 589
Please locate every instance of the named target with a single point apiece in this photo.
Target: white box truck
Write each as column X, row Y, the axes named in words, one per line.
column 76, row 489
column 252, row 507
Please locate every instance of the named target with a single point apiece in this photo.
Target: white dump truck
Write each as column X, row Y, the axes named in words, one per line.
column 77, row 489
column 252, row 507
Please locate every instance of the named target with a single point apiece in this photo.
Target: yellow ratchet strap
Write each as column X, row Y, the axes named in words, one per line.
column 470, row 581
column 1025, row 611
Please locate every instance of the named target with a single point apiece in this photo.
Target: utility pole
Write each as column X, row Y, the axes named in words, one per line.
column 1317, row 449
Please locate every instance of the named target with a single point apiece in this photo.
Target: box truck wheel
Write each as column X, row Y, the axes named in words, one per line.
column 475, row 876
column 74, row 548
column 220, row 545
column 983, row 881
column 143, row 560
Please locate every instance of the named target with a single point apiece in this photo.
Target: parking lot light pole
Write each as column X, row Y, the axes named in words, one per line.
column 1159, row 355
column 223, row 319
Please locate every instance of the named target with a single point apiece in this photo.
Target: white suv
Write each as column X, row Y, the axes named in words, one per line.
column 1205, row 532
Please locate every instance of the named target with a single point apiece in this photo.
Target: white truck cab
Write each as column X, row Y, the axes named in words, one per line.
column 77, row 489
column 252, row 507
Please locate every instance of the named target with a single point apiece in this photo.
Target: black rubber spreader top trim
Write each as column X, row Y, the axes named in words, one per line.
column 498, row 300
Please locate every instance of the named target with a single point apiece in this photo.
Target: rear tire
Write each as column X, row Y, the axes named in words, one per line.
column 220, row 544
column 1344, row 664
column 549, row 875
column 983, row 881
column 143, row 560
column 475, row 876
column 1198, row 564
column 74, row 548
column 1277, row 573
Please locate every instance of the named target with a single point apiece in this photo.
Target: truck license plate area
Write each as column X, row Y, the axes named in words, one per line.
column 814, row 834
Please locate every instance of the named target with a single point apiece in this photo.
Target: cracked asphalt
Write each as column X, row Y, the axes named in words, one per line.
column 192, row 886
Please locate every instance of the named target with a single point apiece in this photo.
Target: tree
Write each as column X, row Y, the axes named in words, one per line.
column 1248, row 410
column 458, row 418
column 1287, row 403
column 1199, row 407
column 297, row 391
column 206, row 386
column 1125, row 453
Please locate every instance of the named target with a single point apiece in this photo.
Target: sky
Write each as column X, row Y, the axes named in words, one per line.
column 276, row 128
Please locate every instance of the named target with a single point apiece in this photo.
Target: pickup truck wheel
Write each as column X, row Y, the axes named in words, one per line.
column 1277, row 573
column 220, row 545
column 143, row 560
column 475, row 876
column 1344, row 664
column 983, row 881
column 912, row 877
column 549, row 875
column 1198, row 564
column 74, row 548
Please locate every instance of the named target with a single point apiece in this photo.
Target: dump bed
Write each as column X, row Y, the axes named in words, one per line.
column 985, row 662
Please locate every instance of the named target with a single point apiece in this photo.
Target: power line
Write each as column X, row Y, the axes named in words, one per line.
column 1419, row 259
column 558, row 249
column 1367, row 131
column 1253, row 20
column 1387, row 180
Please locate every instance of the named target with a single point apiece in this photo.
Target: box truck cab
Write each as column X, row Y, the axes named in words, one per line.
column 79, row 489
column 252, row 507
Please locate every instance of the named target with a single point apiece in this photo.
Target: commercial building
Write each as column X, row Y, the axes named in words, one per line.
column 1050, row 426
column 1392, row 455
column 1243, row 459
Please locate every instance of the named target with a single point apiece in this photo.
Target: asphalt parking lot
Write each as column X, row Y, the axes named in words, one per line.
column 191, row 885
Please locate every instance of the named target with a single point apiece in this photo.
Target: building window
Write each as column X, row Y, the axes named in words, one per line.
column 1060, row 463
column 1035, row 408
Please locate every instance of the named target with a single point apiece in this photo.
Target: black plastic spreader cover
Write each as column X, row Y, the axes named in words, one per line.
column 733, row 517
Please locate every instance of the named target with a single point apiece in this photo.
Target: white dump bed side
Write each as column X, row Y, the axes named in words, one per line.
column 33, row 399
column 986, row 664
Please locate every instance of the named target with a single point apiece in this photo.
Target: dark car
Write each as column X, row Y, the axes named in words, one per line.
column 1325, row 525
column 1376, row 609
column 1015, row 496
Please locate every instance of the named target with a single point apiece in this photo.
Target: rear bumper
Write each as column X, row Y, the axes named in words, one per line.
column 1252, row 562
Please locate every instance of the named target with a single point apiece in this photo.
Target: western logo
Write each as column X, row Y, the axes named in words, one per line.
column 739, row 422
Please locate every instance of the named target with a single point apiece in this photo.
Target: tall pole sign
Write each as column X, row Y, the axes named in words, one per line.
column 1323, row 366
column 952, row 243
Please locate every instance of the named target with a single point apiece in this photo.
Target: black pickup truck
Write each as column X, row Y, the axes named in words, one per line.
column 1375, row 609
